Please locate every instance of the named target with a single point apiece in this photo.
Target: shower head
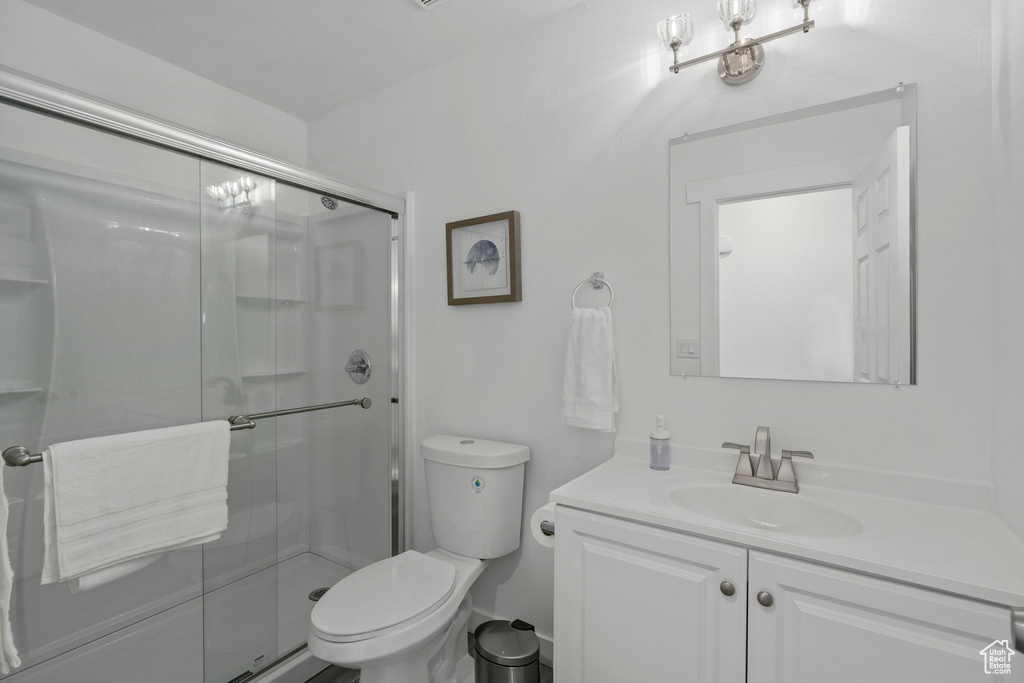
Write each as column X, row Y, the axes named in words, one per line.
column 329, row 203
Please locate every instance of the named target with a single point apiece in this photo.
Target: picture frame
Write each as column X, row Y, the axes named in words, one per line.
column 484, row 260
column 339, row 275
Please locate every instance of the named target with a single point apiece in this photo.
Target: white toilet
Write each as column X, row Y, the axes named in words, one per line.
column 402, row 619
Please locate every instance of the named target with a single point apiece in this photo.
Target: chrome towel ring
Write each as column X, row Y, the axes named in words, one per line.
column 598, row 281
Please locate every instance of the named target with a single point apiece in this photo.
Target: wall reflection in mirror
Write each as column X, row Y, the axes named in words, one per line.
column 792, row 240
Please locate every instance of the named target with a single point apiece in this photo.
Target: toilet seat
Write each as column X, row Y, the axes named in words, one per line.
column 383, row 597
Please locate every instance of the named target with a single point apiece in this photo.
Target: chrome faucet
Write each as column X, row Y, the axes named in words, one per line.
column 763, row 451
column 766, row 476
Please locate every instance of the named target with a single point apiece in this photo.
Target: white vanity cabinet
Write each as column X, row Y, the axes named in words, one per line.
column 830, row 625
column 638, row 603
column 641, row 603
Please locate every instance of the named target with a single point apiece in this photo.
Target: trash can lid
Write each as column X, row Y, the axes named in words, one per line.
column 507, row 643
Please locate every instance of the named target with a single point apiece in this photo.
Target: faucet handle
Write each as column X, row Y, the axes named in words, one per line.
column 743, row 465
column 786, row 472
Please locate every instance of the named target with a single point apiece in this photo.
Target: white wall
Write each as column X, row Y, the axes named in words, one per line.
column 50, row 47
column 785, row 293
column 1008, row 248
column 568, row 122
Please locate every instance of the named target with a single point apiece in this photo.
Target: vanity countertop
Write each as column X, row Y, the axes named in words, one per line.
column 911, row 537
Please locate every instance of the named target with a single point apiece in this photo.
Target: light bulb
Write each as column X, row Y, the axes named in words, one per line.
column 247, row 183
column 675, row 31
column 735, row 13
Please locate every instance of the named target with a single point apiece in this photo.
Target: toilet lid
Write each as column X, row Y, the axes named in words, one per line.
column 383, row 596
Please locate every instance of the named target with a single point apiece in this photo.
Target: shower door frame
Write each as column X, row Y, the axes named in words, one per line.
column 29, row 92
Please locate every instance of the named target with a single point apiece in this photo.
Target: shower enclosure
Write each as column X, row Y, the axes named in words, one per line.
column 147, row 285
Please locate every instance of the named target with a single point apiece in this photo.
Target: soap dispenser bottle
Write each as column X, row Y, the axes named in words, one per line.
column 659, row 445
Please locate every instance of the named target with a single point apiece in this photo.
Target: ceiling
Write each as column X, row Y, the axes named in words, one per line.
column 305, row 57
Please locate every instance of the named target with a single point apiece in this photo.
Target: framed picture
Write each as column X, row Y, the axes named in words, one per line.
column 339, row 275
column 483, row 260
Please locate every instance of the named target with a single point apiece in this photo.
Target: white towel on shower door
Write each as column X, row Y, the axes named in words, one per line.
column 115, row 504
column 590, row 396
column 8, row 652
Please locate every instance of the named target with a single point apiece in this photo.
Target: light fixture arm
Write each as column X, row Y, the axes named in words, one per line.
column 807, row 13
column 806, row 25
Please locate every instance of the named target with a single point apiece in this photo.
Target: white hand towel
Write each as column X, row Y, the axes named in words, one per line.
column 113, row 505
column 590, row 396
column 8, row 652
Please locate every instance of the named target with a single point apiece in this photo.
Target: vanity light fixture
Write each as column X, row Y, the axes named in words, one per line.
column 741, row 61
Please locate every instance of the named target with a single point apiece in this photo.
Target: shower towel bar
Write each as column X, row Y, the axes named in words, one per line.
column 19, row 456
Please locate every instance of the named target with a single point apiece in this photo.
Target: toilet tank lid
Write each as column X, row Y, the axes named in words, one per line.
column 469, row 452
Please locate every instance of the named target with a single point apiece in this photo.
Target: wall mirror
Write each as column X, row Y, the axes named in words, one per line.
column 792, row 244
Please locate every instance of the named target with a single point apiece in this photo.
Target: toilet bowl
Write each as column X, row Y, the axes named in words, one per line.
column 398, row 639
column 404, row 619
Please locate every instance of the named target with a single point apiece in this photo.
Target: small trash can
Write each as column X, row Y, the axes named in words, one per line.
column 507, row 652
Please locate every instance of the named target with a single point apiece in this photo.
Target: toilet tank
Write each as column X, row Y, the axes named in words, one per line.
column 474, row 494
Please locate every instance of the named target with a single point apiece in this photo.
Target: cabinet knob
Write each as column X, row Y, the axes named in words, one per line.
column 765, row 598
column 728, row 590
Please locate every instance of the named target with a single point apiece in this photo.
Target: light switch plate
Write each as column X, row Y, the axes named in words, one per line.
column 687, row 348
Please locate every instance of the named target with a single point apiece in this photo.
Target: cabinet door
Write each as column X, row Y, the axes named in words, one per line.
column 637, row 603
column 836, row 626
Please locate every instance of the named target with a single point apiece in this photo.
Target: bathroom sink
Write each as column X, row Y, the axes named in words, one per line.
column 785, row 513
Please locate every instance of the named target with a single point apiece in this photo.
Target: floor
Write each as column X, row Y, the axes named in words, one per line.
column 336, row 674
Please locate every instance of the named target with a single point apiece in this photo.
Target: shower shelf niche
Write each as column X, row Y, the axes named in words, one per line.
column 279, row 446
column 288, row 234
column 262, row 299
column 257, row 373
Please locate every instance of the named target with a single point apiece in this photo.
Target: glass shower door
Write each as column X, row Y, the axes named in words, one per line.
column 142, row 288
column 99, row 334
column 240, row 376
column 292, row 283
column 334, row 471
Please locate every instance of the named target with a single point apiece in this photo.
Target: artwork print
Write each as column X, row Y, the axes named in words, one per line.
column 483, row 260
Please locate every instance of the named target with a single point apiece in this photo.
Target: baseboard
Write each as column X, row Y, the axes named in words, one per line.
column 547, row 643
